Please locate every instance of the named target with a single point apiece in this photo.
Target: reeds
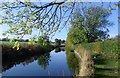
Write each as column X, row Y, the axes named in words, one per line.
column 86, row 62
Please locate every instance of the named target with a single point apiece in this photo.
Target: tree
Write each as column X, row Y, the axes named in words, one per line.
column 43, row 40
column 26, row 40
column 4, row 39
column 63, row 41
column 93, row 20
column 58, row 42
column 23, row 16
column 77, row 35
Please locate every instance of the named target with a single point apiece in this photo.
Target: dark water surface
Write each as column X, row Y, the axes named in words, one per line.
column 54, row 63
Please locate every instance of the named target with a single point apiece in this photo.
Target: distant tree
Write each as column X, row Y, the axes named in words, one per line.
column 15, row 40
column 58, row 42
column 4, row 39
column 8, row 39
column 63, row 41
column 26, row 40
column 43, row 40
column 21, row 40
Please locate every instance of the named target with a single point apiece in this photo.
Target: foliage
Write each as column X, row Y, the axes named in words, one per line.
column 94, row 21
column 24, row 16
column 108, row 46
column 58, row 42
column 77, row 35
column 63, row 41
column 43, row 41
column 14, row 40
column 72, row 62
column 17, row 45
column 31, row 42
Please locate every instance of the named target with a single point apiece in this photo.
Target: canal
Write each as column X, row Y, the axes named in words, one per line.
column 58, row 62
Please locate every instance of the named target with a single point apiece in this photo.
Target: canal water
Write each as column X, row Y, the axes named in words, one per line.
column 55, row 63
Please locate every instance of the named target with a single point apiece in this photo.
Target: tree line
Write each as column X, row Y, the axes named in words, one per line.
column 20, row 40
column 59, row 42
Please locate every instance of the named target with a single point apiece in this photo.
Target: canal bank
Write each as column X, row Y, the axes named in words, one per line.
column 25, row 50
column 86, row 63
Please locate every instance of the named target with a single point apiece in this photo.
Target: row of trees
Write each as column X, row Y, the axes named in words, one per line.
column 59, row 42
column 89, row 25
column 20, row 40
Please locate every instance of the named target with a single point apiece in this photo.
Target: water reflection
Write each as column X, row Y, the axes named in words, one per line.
column 6, row 65
column 73, row 62
column 54, row 63
column 43, row 61
column 59, row 49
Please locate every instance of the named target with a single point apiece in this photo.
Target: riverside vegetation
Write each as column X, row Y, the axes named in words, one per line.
column 99, row 54
column 88, row 36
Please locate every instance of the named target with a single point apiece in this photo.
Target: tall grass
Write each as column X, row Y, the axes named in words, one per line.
column 108, row 46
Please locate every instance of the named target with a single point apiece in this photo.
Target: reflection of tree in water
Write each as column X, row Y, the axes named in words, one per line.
column 59, row 49
column 72, row 62
column 8, row 64
column 43, row 61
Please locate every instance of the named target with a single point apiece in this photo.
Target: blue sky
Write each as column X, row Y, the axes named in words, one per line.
column 63, row 34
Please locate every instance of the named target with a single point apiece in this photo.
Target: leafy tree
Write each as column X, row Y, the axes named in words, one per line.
column 43, row 40
column 24, row 16
column 93, row 21
column 4, row 39
column 63, row 41
column 77, row 35
column 58, row 42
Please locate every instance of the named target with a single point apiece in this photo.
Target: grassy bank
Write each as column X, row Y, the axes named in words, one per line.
column 25, row 50
column 105, row 56
column 108, row 48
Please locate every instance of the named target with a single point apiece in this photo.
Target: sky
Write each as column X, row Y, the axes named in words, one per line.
column 63, row 34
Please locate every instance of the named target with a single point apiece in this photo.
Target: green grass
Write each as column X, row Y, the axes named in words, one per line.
column 11, row 44
column 105, row 47
column 105, row 55
column 6, row 43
